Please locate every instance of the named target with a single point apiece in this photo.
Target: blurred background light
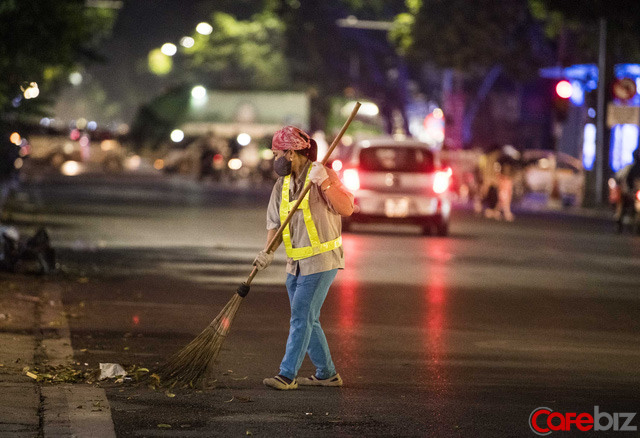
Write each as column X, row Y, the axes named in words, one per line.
column 177, row 135
column 32, row 91
column 198, row 92
column 564, row 89
column 577, row 93
column 235, row 164
column 187, row 42
column 15, row 138
column 589, row 146
column 169, row 49
column 75, row 78
column 266, row 154
column 70, row 168
column 159, row 64
column 204, row 28
column 243, row 139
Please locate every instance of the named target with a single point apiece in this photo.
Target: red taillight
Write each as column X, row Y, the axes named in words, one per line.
column 337, row 165
column 441, row 181
column 638, row 195
column 351, row 179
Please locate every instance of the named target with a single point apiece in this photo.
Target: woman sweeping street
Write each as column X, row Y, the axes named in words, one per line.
column 313, row 244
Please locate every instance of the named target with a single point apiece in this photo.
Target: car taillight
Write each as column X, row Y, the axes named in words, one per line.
column 638, row 195
column 441, row 181
column 351, row 179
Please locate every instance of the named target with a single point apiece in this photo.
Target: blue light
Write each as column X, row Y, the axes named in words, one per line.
column 591, row 112
column 577, row 93
column 624, row 140
column 627, row 70
column 589, row 146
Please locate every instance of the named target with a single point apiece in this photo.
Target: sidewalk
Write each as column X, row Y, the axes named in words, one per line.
column 34, row 331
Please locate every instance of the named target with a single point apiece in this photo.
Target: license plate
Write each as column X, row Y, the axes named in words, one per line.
column 396, row 207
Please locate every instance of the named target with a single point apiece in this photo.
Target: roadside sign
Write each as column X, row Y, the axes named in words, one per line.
column 620, row 115
column 624, row 88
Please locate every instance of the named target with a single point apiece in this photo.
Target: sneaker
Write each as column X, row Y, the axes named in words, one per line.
column 314, row 381
column 278, row 382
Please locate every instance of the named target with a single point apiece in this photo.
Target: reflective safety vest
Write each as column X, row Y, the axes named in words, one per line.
column 316, row 247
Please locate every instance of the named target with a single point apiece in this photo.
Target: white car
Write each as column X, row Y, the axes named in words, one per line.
column 398, row 181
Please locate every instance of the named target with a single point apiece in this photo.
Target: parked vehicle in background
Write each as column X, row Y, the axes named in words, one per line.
column 99, row 150
column 558, row 175
column 398, row 181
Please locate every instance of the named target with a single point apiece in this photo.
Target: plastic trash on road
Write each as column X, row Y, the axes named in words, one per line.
column 111, row 370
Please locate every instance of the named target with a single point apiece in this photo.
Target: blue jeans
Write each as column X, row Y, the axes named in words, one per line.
column 306, row 296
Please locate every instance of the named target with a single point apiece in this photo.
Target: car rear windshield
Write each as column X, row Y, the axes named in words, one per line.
column 396, row 159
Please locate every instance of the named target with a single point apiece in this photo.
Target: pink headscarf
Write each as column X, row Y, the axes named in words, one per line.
column 290, row 137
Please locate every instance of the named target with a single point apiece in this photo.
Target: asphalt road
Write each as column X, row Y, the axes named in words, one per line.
column 458, row 336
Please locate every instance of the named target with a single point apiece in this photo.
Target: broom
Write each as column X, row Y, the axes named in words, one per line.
column 190, row 364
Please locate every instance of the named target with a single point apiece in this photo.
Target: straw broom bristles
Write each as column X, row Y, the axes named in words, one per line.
column 190, row 364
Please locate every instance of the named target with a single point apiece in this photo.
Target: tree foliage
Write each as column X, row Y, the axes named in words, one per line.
column 581, row 22
column 472, row 36
column 42, row 41
column 241, row 54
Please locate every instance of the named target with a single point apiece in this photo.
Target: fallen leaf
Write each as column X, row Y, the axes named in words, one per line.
column 243, row 399
column 164, row 426
column 33, row 376
column 169, row 394
column 240, row 378
column 249, row 432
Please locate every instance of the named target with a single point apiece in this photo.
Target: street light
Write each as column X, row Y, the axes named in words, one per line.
column 187, row 42
column 204, row 28
column 169, row 49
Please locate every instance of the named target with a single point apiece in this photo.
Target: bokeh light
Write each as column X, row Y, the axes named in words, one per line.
column 177, row 135
column 204, row 28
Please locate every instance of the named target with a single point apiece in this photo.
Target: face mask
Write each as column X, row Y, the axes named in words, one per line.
column 282, row 166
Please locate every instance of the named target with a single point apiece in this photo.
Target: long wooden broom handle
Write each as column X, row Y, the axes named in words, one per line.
column 276, row 238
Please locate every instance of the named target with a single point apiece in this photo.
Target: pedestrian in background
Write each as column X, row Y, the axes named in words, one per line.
column 313, row 243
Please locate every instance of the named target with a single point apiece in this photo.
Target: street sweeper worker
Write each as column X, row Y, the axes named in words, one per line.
column 313, row 243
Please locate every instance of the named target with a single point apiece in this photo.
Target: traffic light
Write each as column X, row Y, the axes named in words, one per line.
column 561, row 103
column 564, row 89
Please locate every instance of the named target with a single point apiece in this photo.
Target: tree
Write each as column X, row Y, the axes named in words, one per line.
column 42, row 42
column 472, row 37
column 577, row 28
column 241, row 54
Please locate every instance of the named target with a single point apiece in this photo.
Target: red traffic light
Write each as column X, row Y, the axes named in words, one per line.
column 564, row 89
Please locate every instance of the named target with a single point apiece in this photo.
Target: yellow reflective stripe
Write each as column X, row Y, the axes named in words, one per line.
column 307, row 251
column 316, row 246
column 284, row 212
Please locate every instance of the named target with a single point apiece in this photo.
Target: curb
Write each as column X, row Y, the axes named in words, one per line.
column 34, row 330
